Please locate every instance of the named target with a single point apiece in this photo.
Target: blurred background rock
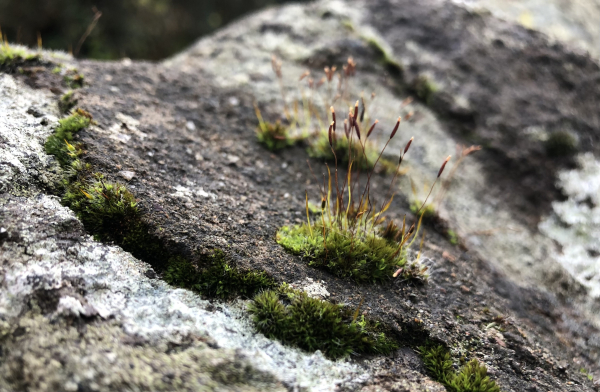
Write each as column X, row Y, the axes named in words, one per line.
column 138, row 29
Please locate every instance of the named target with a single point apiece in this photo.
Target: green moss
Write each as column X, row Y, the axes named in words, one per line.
column 10, row 55
column 74, row 80
column 58, row 143
column 319, row 148
column 560, row 144
column 110, row 212
column 311, row 324
column 425, row 89
column 385, row 58
column 452, row 237
column 67, row 102
column 428, row 210
column 471, row 378
column 274, row 136
column 358, row 254
column 217, row 278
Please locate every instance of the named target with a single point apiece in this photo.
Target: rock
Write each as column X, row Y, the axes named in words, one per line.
column 128, row 175
column 79, row 314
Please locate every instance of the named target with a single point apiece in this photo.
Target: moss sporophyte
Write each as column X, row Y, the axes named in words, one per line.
column 350, row 238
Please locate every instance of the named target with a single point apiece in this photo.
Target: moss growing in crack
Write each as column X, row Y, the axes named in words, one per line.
column 217, row 278
column 296, row 319
column 471, row 378
column 391, row 65
column 110, row 212
column 358, row 254
column 425, row 89
column 67, row 102
column 58, row 143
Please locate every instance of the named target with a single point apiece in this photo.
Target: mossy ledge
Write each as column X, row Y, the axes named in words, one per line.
column 110, row 212
column 296, row 319
column 472, row 377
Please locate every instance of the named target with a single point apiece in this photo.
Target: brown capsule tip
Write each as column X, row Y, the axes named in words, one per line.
column 323, row 203
column 372, row 128
column 330, row 135
column 395, row 128
column 355, row 110
column 408, row 144
column 444, row 165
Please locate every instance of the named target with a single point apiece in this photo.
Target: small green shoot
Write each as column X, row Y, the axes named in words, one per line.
column 471, row 378
column 296, row 319
column 452, row 236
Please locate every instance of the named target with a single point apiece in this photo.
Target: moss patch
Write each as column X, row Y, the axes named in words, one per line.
column 471, row 378
column 274, row 136
column 358, row 254
column 10, row 55
column 58, row 143
column 217, row 278
column 311, row 324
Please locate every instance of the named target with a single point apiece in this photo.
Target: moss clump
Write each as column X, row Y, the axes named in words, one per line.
column 58, row 143
column 344, row 149
column 110, row 212
column 311, row 324
column 217, row 278
column 471, row 378
column 274, row 136
column 67, row 102
column 358, row 254
column 560, row 144
column 74, row 80
column 10, row 55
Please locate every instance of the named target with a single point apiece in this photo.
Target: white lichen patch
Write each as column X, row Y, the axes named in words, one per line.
column 23, row 162
column 575, row 223
column 314, row 289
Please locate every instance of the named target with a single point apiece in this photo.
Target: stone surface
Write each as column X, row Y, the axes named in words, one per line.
column 79, row 315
